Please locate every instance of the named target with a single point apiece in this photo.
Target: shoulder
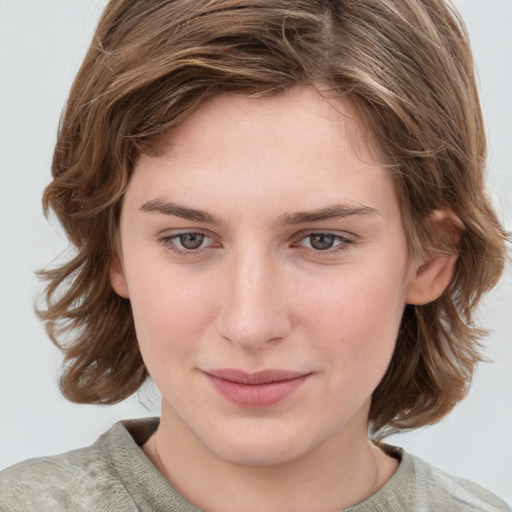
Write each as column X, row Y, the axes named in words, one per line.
column 417, row 486
column 443, row 491
column 78, row 480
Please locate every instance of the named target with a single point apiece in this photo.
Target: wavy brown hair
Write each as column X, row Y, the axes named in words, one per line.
column 407, row 67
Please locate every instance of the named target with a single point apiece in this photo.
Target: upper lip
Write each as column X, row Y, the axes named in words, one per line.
column 259, row 377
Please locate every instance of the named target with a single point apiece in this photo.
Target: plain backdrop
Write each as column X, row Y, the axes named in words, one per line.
column 41, row 47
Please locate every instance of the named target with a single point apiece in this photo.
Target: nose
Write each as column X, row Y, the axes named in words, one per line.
column 254, row 304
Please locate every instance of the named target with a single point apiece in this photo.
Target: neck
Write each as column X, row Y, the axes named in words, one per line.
column 340, row 472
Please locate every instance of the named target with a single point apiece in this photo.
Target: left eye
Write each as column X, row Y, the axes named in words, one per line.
column 323, row 241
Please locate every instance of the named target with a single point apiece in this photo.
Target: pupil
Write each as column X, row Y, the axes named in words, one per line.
column 191, row 240
column 322, row 242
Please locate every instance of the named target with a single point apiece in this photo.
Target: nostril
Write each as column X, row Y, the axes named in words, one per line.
column 251, row 331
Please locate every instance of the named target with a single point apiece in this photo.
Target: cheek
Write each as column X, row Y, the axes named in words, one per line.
column 170, row 313
column 354, row 321
column 361, row 301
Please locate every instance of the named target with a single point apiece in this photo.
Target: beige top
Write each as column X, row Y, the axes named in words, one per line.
column 114, row 474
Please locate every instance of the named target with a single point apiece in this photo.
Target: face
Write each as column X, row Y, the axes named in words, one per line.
column 266, row 264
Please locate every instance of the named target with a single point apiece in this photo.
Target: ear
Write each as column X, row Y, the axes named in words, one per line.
column 118, row 278
column 431, row 274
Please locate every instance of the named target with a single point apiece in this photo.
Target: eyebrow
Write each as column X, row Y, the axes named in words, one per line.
column 329, row 213
column 162, row 206
column 159, row 205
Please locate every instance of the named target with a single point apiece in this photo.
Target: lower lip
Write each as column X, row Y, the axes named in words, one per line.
column 257, row 396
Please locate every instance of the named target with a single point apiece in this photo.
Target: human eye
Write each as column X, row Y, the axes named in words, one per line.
column 186, row 243
column 327, row 243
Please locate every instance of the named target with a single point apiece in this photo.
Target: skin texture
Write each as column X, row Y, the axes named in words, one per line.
column 257, row 293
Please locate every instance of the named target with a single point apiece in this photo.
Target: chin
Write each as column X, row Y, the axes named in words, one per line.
column 261, row 446
column 255, row 452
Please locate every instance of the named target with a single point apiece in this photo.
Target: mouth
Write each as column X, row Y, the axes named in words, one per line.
column 255, row 390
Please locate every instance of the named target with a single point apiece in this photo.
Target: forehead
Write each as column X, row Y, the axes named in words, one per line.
column 291, row 148
column 285, row 115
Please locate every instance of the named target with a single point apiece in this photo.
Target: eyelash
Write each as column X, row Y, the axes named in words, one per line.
column 169, row 243
column 344, row 242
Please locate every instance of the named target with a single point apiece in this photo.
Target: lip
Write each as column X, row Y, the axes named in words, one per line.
column 255, row 390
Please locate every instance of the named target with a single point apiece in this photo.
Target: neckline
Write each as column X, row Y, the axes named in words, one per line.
column 150, row 490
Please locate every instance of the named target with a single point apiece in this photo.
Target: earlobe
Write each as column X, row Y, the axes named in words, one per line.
column 118, row 279
column 431, row 276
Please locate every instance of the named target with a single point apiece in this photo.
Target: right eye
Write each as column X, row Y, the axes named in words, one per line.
column 191, row 241
column 187, row 243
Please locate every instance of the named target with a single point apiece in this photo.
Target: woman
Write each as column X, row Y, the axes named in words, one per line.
column 279, row 216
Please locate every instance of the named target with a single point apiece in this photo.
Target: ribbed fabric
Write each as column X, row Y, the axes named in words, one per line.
column 115, row 475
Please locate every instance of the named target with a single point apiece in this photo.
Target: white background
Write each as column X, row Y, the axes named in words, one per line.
column 41, row 47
